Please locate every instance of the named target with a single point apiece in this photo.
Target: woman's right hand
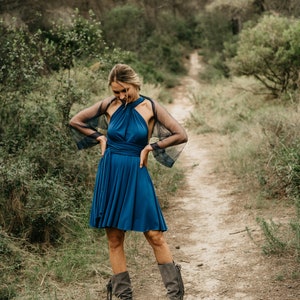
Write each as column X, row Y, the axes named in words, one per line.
column 102, row 140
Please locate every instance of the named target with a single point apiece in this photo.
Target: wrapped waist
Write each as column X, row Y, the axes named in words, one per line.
column 125, row 149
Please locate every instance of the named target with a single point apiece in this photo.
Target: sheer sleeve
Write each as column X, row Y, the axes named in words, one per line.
column 89, row 124
column 169, row 136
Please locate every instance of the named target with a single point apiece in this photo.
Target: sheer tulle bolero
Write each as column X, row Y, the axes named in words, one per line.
column 91, row 123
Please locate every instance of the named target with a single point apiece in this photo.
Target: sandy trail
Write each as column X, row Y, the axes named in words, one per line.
column 211, row 247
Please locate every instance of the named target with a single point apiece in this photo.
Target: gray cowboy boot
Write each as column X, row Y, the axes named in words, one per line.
column 120, row 286
column 172, row 280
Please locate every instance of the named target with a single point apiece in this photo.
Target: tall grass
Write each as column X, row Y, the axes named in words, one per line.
column 262, row 150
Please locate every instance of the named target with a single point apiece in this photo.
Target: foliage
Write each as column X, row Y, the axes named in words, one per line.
column 278, row 160
column 20, row 60
column 37, row 176
column 280, row 239
column 166, row 44
column 215, row 30
column 274, row 244
column 271, row 165
column 288, row 8
column 158, row 45
column 40, row 182
column 63, row 43
column 270, row 52
column 124, row 27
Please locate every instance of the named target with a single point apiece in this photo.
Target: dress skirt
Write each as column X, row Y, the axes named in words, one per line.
column 124, row 196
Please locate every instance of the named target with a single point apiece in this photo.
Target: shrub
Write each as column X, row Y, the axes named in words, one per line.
column 270, row 52
column 215, row 30
column 274, row 242
column 124, row 27
column 40, row 183
column 279, row 178
column 159, row 46
column 20, row 60
column 63, row 43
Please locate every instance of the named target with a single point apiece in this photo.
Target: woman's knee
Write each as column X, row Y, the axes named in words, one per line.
column 155, row 238
column 115, row 238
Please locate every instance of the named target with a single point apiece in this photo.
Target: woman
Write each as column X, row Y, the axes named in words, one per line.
column 124, row 197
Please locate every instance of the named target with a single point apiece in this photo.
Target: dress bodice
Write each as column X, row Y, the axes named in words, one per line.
column 127, row 130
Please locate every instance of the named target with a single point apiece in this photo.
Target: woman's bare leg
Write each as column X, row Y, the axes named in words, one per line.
column 170, row 272
column 116, row 249
column 159, row 245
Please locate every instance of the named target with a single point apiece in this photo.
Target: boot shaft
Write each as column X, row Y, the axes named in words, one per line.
column 120, row 286
column 171, row 276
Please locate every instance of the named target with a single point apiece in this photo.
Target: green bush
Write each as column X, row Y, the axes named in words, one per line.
column 267, row 159
column 162, row 53
column 40, row 182
column 217, row 41
column 270, row 52
column 42, row 185
column 274, row 241
column 124, row 27
column 159, row 46
column 280, row 177
column 164, row 48
column 63, row 43
column 215, row 29
column 20, row 60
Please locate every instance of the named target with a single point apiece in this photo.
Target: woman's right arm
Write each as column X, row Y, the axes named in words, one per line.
column 80, row 120
column 84, row 125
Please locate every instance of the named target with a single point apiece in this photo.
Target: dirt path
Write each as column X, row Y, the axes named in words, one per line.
column 207, row 224
column 214, row 247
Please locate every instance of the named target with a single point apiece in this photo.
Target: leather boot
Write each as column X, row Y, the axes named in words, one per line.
column 120, row 286
column 172, row 280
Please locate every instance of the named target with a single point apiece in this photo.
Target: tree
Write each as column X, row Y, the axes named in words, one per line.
column 123, row 27
column 287, row 7
column 270, row 51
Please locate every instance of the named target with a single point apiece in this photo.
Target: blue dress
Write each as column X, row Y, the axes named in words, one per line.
column 124, row 195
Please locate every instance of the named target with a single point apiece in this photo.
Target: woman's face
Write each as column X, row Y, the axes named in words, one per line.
column 124, row 91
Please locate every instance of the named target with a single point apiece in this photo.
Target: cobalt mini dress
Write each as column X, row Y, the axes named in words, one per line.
column 124, row 195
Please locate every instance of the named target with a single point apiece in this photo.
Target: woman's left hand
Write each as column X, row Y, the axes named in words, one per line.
column 144, row 156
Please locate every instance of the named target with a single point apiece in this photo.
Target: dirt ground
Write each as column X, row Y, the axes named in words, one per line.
column 207, row 228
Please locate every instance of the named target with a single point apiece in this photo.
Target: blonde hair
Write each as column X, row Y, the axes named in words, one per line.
column 124, row 73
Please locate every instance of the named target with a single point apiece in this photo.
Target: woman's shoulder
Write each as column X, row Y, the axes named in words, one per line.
column 150, row 103
column 108, row 100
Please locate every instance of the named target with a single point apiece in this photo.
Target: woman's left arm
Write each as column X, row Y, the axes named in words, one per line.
column 177, row 135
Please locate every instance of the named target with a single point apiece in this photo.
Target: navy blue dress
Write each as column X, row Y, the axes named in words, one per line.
column 124, row 195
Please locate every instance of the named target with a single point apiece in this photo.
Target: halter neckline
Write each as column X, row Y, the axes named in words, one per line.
column 133, row 103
